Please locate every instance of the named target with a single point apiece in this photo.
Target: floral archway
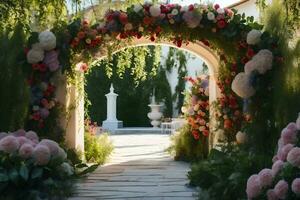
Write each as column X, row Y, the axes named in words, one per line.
column 246, row 57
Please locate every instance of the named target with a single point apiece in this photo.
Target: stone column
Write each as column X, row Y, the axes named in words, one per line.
column 111, row 123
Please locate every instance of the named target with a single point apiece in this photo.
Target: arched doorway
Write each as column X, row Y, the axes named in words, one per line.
column 67, row 95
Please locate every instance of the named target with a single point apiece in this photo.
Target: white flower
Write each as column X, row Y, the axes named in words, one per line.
column 141, row 29
column 175, row 12
column 253, row 37
column 220, row 11
column 137, row 8
column 184, row 9
column 47, row 40
column 262, row 62
column 241, row 137
column 211, row 16
column 128, row 27
column 155, row 10
column 241, row 85
column 35, row 55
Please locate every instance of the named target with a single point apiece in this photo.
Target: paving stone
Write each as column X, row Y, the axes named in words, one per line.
column 139, row 169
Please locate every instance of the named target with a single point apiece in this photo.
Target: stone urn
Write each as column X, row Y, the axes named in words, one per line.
column 155, row 115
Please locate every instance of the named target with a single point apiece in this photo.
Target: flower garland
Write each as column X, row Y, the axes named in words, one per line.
column 196, row 108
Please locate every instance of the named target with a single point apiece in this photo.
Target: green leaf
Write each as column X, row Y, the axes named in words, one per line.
column 234, row 176
column 36, row 173
column 24, row 173
column 82, row 165
column 89, row 170
column 13, row 175
column 3, row 177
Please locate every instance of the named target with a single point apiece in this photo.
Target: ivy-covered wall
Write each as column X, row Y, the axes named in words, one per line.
column 134, row 73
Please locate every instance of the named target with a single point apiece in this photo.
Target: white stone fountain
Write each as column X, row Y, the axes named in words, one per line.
column 155, row 114
column 111, row 123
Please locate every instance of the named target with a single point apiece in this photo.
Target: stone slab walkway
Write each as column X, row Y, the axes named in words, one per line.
column 138, row 169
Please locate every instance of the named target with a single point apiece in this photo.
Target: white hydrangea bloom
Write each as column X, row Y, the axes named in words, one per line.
column 137, row 8
column 155, row 10
column 211, row 16
column 35, row 55
column 263, row 61
column 249, row 67
column 241, row 85
column 253, row 37
column 47, row 40
column 66, row 168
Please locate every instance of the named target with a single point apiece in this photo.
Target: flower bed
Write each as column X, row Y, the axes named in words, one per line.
column 282, row 181
column 31, row 168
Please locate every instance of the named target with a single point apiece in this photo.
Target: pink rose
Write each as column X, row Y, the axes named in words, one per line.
column 271, row 195
column 253, row 186
column 265, row 177
column 276, row 167
column 288, row 136
column 41, row 154
column 281, row 189
column 26, row 150
column 283, row 152
column 32, row 136
column 53, row 146
column 9, row 144
column 293, row 157
column 296, row 186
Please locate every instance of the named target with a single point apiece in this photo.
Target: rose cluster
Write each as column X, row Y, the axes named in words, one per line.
column 196, row 108
column 282, row 181
column 27, row 146
column 43, row 58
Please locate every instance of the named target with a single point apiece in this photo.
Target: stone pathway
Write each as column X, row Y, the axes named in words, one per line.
column 138, row 169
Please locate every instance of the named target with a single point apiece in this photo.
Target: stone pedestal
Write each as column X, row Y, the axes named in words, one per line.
column 111, row 123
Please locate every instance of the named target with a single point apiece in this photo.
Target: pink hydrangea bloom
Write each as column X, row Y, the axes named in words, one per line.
column 281, row 189
column 280, row 143
column 51, row 60
column 9, row 144
column 52, row 145
column 253, row 186
column 288, row 136
column 292, row 126
column 296, row 186
column 275, row 158
column 283, row 152
column 271, row 195
column 22, row 140
column 26, row 150
column 2, row 135
column 293, row 157
column 31, row 135
column 19, row 133
column 41, row 154
column 276, row 167
column 265, row 177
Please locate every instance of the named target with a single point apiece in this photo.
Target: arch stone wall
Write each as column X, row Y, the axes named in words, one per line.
column 71, row 96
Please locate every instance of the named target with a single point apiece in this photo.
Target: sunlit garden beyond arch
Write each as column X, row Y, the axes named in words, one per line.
column 237, row 123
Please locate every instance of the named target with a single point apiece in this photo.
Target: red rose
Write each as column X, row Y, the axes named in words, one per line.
column 227, row 124
column 123, row 18
column 42, row 67
column 244, row 60
column 250, row 53
column 191, row 7
column 196, row 135
column 138, row 35
column 84, row 67
column 216, row 6
column 221, row 23
column 147, row 20
column 81, row 35
column 35, row 66
column 205, row 132
column 164, row 9
column 152, row 38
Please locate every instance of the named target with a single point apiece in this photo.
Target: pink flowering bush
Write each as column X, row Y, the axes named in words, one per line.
column 282, row 181
column 32, row 169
